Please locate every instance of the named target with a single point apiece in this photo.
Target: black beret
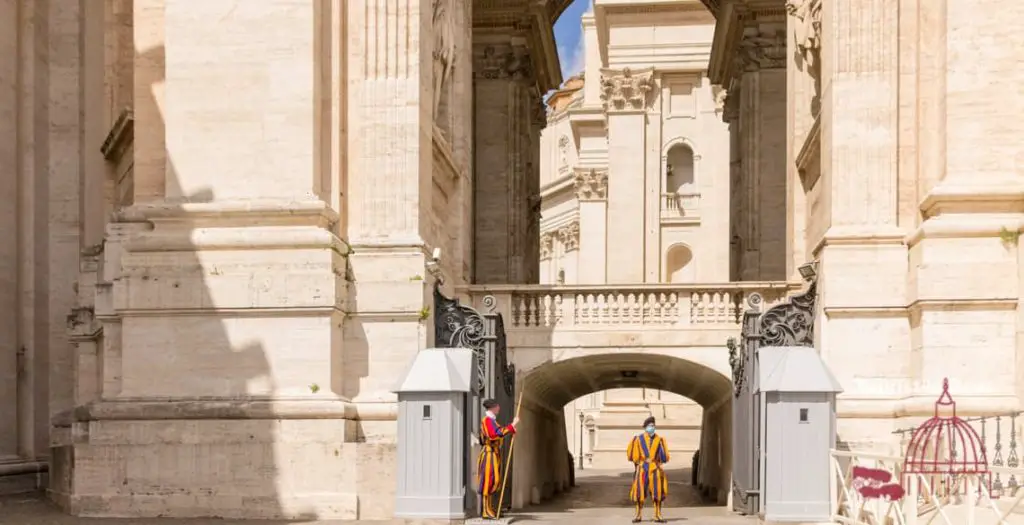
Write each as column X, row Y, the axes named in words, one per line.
column 649, row 421
column 490, row 403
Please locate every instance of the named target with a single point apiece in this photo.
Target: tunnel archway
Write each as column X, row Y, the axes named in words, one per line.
column 543, row 462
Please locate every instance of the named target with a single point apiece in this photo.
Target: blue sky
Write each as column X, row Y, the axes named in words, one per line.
column 569, row 39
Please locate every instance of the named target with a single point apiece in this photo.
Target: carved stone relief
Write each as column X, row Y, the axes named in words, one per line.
column 731, row 105
column 563, row 154
column 570, row 236
column 444, row 49
column 591, row 184
column 720, row 95
column 500, row 62
column 547, row 244
column 808, row 26
column 763, row 51
column 626, row 89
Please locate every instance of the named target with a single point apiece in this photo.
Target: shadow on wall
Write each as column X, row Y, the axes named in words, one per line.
column 184, row 420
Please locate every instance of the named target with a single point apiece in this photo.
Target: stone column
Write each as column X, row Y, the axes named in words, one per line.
column 592, row 193
column 9, row 353
column 505, row 98
column 762, row 144
column 737, row 218
column 229, row 287
column 863, row 261
column 626, row 95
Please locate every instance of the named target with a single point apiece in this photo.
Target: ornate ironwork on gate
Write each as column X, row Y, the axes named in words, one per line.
column 790, row 323
column 459, row 326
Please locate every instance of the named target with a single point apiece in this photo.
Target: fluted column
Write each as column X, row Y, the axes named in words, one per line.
column 626, row 95
column 862, row 257
column 592, row 193
column 506, row 102
column 737, row 207
column 9, row 100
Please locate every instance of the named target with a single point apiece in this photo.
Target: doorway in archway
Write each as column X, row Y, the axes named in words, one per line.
column 580, row 412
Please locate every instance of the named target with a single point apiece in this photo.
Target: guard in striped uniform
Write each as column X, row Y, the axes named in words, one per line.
column 648, row 452
column 488, row 466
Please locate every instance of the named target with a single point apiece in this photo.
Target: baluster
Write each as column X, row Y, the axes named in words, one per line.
column 1011, row 459
column 673, row 307
column 524, row 310
column 662, row 318
column 730, row 314
column 517, row 309
column 635, row 309
column 549, row 311
column 603, row 305
column 720, row 308
column 559, row 309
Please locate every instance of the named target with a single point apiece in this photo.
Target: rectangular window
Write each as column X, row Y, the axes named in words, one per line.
column 803, row 415
column 426, row 411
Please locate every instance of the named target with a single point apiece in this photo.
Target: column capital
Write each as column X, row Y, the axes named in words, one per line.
column 764, row 50
column 503, row 61
column 591, row 184
column 547, row 244
column 626, row 89
column 570, row 236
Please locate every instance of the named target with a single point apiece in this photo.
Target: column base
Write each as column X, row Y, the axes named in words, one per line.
column 299, row 464
column 20, row 476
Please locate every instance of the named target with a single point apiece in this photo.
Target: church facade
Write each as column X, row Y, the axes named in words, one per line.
column 220, row 215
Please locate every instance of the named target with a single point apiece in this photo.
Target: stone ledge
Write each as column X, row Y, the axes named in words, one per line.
column 335, row 505
column 219, row 408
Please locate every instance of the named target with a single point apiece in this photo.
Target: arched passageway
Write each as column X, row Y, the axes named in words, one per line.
column 542, row 462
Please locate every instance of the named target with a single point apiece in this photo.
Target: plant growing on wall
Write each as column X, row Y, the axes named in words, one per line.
column 1009, row 237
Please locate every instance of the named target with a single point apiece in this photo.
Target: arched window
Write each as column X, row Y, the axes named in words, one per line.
column 679, row 174
column 677, row 264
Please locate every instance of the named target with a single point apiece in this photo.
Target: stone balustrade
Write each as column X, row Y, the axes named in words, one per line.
column 620, row 306
column 678, row 205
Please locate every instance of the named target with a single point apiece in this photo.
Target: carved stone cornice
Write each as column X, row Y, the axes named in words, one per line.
column 766, row 50
column 591, row 184
column 626, row 89
column 744, row 37
column 530, row 22
column 503, row 62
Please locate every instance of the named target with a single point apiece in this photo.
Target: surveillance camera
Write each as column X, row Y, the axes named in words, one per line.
column 437, row 254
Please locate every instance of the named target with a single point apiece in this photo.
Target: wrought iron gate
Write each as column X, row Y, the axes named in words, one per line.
column 460, row 326
column 790, row 323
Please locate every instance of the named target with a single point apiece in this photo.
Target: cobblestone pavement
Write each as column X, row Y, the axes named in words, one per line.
column 600, row 498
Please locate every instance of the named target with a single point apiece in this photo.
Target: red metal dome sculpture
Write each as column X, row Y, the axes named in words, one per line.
column 947, row 447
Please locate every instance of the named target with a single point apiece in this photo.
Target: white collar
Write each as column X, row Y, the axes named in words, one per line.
column 491, row 415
